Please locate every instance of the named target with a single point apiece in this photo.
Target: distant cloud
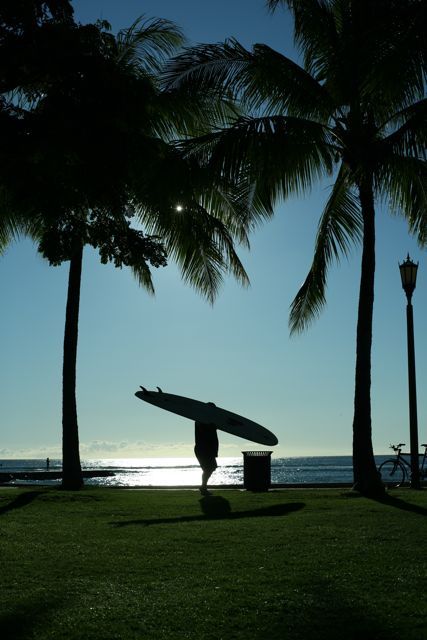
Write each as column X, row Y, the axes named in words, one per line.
column 135, row 449
column 31, row 453
column 96, row 446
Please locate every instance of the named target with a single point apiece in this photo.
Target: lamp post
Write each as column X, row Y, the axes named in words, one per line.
column 408, row 274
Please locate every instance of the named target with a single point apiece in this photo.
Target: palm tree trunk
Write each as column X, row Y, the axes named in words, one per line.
column 366, row 477
column 72, row 477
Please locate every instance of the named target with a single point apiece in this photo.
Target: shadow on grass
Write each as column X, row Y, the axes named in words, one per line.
column 20, row 501
column 20, row 624
column 398, row 503
column 391, row 501
column 218, row 508
column 324, row 610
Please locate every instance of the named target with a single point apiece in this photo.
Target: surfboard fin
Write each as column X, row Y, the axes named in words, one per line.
column 143, row 388
column 160, row 391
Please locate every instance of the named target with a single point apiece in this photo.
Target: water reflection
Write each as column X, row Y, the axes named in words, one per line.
column 170, row 472
column 166, row 472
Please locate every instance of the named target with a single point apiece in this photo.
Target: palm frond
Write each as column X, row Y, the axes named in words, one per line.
column 209, row 257
column 262, row 78
column 142, row 275
column 238, row 207
column 278, row 155
column 9, row 226
column 408, row 131
column 15, row 224
column 147, row 43
column 403, row 180
column 276, row 84
column 200, row 244
column 231, row 208
column 9, row 232
column 190, row 183
column 203, row 271
column 211, row 67
column 340, row 227
column 316, row 27
column 373, row 51
column 272, row 5
column 397, row 71
column 180, row 114
column 235, row 204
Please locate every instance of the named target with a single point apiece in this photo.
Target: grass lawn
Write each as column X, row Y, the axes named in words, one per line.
column 110, row 564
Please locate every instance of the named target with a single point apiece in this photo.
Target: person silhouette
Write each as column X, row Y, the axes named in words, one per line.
column 206, row 451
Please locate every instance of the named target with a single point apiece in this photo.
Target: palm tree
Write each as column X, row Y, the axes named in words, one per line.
column 91, row 132
column 112, row 161
column 356, row 110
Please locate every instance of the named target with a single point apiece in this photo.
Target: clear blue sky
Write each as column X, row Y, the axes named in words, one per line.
column 237, row 353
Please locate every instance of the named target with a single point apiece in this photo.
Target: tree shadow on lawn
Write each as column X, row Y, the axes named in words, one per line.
column 21, row 623
column 218, row 508
column 398, row 503
column 392, row 501
column 323, row 610
column 20, row 501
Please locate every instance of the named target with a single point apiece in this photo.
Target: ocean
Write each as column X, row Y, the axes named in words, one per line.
column 176, row 472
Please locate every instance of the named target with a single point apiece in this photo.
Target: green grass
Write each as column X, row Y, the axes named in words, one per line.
column 115, row 564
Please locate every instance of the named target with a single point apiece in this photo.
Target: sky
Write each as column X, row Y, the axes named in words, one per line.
column 237, row 353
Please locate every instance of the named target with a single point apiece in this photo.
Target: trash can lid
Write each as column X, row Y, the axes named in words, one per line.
column 250, row 454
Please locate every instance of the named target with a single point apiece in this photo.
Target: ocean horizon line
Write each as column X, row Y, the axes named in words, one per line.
column 91, row 459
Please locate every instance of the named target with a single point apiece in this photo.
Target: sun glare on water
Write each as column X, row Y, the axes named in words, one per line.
column 163, row 472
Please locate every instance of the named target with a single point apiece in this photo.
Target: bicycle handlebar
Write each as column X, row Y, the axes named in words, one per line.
column 397, row 447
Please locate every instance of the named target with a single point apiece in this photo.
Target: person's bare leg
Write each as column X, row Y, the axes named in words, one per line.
column 205, row 477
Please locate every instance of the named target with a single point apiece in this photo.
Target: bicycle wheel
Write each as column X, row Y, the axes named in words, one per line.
column 393, row 473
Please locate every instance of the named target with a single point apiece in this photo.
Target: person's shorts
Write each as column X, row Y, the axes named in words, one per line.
column 207, row 463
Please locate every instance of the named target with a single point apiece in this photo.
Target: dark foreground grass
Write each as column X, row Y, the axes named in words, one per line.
column 300, row 564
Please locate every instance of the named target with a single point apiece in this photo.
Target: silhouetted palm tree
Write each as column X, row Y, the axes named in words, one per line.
column 355, row 110
column 90, row 129
column 113, row 160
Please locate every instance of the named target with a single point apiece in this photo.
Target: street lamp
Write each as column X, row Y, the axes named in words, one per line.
column 408, row 274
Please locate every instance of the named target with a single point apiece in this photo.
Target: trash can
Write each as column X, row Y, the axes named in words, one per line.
column 257, row 470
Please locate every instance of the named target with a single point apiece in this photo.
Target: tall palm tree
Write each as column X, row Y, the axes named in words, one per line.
column 104, row 132
column 355, row 110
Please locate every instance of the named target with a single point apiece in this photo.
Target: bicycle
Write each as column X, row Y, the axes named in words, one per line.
column 396, row 471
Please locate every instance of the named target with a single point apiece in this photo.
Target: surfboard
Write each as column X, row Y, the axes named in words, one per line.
column 209, row 413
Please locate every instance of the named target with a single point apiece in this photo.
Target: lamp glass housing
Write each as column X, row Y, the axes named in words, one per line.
column 408, row 274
